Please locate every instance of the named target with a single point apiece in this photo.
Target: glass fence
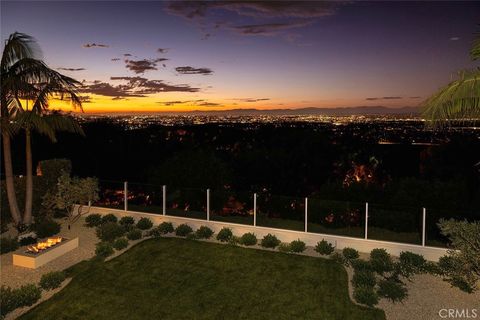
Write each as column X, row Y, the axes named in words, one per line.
column 344, row 218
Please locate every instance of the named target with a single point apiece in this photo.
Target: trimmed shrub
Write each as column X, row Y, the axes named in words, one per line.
column 134, row 234
column 337, row 257
column 11, row 299
column 364, row 278
column 109, row 218
column 284, row 247
column 324, row 247
column 350, row 254
column 27, row 241
column 297, row 246
column 109, row 231
column 191, row 236
column 183, row 230
column 225, row 235
column 270, row 241
column 28, row 294
column 411, row 263
column 165, row 227
column 360, row 265
column 52, row 280
column 120, row 243
column 392, row 290
column 381, row 261
column 46, row 228
column 144, row 224
column 93, row 220
column 248, row 239
column 103, row 249
column 432, row 268
column 155, row 232
column 8, row 244
column 204, row 232
column 127, row 221
column 365, row 295
column 234, row 241
column 447, row 265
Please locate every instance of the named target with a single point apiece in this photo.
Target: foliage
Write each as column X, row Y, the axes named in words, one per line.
column 109, row 231
column 297, row 246
column 234, row 241
column 361, row 265
column 165, row 227
column 225, row 234
column 204, row 232
column 45, row 227
column 191, row 236
column 109, row 218
column 25, row 241
column 364, row 278
column 365, row 295
column 144, row 224
column 324, row 247
column 104, row 249
column 183, row 230
column 93, row 220
column 411, row 263
column 52, row 169
column 350, row 254
column 8, row 244
column 381, row 261
column 127, row 220
column 464, row 257
column 248, row 239
column 134, row 234
column 338, row 258
column 11, row 299
column 52, row 280
column 120, row 243
column 284, row 247
column 270, row 241
column 392, row 290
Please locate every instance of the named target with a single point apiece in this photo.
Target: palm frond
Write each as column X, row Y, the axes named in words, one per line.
column 34, row 121
column 475, row 51
column 62, row 122
column 18, row 46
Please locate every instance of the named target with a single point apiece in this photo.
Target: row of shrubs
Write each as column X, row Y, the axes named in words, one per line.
column 29, row 294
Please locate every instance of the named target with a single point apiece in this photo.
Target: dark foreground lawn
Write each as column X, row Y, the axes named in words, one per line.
column 172, row 278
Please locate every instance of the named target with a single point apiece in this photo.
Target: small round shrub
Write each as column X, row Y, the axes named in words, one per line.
column 381, row 261
column 46, row 228
column 127, row 221
column 144, row 224
column 225, row 235
column 392, row 290
column 270, row 241
column 165, row 227
column 93, row 220
column 432, row 268
column 365, row 295
column 364, row 278
column 284, row 247
column 297, row 246
column 27, row 295
column 183, row 230
column 411, row 263
column 8, row 244
column 103, row 249
column 109, row 231
column 120, row 243
column 8, row 301
column 324, row 247
column 234, row 241
column 248, row 239
column 109, row 218
column 337, row 257
column 447, row 265
column 191, row 236
column 27, row 241
column 360, row 265
column 134, row 234
column 350, row 254
column 52, row 280
column 154, row 232
column 204, row 232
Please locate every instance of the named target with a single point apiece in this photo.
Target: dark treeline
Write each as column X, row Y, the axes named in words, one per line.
column 345, row 163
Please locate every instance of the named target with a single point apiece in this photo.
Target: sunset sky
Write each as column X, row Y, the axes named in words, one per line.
column 210, row 55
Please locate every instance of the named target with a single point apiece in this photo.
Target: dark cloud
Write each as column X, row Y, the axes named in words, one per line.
column 140, row 66
column 72, row 69
column 208, row 104
column 115, row 59
column 252, row 99
column 270, row 28
column 95, row 45
column 142, row 86
column 171, row 103
column 192, row 70
column 119, row 98
column 384, row 98
column 85, row 99
column 416, row 97
column 162, row 50
column 127, row 54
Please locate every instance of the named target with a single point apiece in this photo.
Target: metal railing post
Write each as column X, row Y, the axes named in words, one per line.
column 366, row 220
column 125, row 196
column 164, row 199
column 306, row 214
column 208, row 204
column 423, row 226
column 254, row 209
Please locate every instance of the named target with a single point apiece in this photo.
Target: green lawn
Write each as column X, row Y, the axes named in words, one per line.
column 172, row 278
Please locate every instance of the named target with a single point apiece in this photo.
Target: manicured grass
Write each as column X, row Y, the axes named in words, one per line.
column 172, row 278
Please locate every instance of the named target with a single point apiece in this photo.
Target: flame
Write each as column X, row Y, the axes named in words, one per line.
column 50, row 242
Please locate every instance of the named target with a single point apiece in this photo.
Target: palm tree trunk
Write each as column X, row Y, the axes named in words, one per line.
column 27, row 216
column 12, row 197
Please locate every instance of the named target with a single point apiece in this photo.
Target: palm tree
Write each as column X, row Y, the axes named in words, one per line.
column 460, row 99
column 25, row 77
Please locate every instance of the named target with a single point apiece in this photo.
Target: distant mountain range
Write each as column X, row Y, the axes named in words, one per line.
column 345, row 111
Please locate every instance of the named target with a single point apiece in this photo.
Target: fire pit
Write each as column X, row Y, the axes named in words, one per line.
column 43, row 252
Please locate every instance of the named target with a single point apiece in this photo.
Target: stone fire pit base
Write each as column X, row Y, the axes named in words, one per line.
column 31, row 261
